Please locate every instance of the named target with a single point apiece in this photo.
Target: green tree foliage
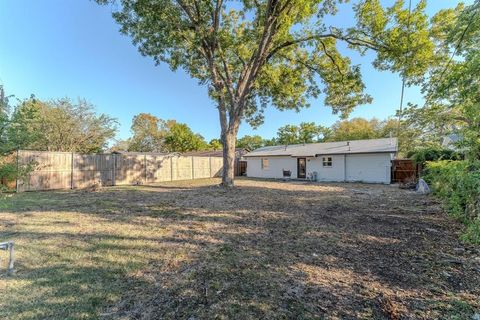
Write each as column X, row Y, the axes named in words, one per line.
column 452, row 90
column 250, row 142
column 453, row 106
column 58, row 125
column 120, row 145
column 152, row 134
column 215, row 144
column 252, row 54
column 457, row 183
column 360, row 128
column 306, row 132
column 180, row 138
column 149, row 133
column 422, row 155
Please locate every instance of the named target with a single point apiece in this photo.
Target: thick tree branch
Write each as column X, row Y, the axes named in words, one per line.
column 349, row 40
column 331, row 58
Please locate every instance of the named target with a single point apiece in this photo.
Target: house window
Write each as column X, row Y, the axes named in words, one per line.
column 264, row 163
column 327, row 161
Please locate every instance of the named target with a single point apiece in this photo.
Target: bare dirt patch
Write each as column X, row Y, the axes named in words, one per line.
column 266, row 249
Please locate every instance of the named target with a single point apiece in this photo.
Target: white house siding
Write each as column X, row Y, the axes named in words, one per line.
column 371, row 168
column 374, row 168
column 275, row 167
column 334, row 173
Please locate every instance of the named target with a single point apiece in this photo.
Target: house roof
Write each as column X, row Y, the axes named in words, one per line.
column 385, row 145
column 213, row 153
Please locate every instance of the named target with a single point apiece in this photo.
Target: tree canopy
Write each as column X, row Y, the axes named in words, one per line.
column 58, row 125
column 148, row 133
column 452, row 91
column 252, row 54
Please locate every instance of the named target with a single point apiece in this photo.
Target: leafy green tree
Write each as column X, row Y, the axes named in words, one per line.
column 181, row 138
column 354, row 129
column 287, row 134
column 273, row 52
column 250, row 142
column 453, row 94
column 24, row 128
column 215, row 144
column 59, row 125
column 309, row 132
column 4, row 119
column 149, row 133
column 120, row 145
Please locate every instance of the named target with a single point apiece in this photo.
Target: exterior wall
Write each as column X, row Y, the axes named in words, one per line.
column 334, row 173
column 275, row 168
column 373, row 168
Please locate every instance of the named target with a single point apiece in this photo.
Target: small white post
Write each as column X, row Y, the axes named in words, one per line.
column 8, row 246
column 11, row 258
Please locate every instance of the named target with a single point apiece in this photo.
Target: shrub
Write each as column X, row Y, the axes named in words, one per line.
column 433, row 154
column 10, row 171
column 457, row 183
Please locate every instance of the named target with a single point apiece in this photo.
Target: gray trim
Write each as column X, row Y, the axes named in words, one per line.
column 318, row 155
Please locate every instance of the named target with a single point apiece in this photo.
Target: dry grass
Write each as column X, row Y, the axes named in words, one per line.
column 267, row 249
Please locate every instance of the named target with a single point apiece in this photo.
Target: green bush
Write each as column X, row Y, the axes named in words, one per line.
column 433, row 154
column 10, row 171
column 457, row 183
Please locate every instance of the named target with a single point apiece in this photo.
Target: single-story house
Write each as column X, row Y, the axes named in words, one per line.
column 356, row 160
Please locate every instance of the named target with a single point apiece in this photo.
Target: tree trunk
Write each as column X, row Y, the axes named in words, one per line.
column 228, row 140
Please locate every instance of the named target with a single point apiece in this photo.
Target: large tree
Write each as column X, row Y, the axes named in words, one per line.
column 148, row 133
column 180, row 138
column 453, row 90
column 305, row 132
column 256, row 53
column 250, row 142
column 59, row 125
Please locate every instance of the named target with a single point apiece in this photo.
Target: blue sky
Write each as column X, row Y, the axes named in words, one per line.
column 72, row 48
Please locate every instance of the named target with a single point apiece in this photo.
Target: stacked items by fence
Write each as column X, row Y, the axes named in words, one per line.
column 65, row 170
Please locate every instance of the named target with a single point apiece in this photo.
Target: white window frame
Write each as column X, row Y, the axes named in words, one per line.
column 327, row 162
column 264, row 161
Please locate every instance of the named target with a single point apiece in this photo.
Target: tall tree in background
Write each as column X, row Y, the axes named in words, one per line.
column 215, row 144
column 149, row 133
column 180, row 138
column 59, row 125
column 252, row 54
column 305, row 132
column 4, row 118
column 250, row 142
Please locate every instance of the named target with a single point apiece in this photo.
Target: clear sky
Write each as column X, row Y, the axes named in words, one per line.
column 72, row 48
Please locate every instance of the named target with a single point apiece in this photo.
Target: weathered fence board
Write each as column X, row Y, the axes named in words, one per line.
column 64, row 170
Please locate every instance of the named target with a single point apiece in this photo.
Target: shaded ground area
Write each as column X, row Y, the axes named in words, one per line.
column 271, row 250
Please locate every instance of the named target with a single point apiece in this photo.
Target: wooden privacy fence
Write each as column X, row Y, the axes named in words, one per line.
column 404, row 170
column 66, row 170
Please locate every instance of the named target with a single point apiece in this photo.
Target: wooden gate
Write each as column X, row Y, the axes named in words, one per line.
column 403, row 170
column 240, row 167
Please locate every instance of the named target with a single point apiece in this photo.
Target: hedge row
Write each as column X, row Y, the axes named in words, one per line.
column 457, row 183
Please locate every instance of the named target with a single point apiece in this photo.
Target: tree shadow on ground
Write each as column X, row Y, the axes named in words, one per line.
column 274, row 251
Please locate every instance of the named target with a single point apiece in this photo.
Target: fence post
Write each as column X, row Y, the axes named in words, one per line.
column 145, row 164
column 114, row 165
column 210, row 166
column 72, row 164
column 193, row 169
column 16, row 176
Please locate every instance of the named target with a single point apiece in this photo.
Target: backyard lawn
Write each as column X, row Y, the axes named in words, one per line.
column 265, row 250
